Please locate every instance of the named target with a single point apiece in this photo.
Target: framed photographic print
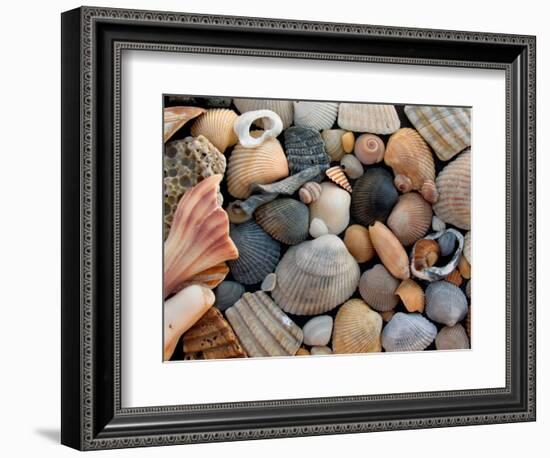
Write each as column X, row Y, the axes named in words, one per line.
column 276, row 228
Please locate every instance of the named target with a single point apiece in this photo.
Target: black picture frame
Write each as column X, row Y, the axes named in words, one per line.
column 92, row 42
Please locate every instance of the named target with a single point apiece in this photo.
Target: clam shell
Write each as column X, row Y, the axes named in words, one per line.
column 269, row 282
column 446, row 129
column 454, row 187
column 351, row 166
column 271, row 122
column 358, row 243
column 217, row 126
column 176, row 117
column 369, row 149
column 315, row 276
column 445, row 303
column 412, row 295
column 333, row 143
column 452, row 338
column 366, row 117
column 286, row 220
column 305, row 148
column 412, row 162
column 377, row 287
column 356, row 329
column 317, row 228
column 373, row 196
column 336, row 175
column 318, row 330
column 316, row 115
column 284, row 108
column 411, row 218
column 467, row 252
column 408, row 332
column 258, row 253
column 227, row 293
column 310, row 192
column 332, row 207
column 389, row 250
column 262, row 327
column 319, row 351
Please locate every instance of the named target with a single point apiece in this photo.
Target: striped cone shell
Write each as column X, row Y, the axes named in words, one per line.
column 377, row 287
column 452, row 338
column 316, row 115
column 445, row 303
column 336, row 175
column 284, row 108
column 408, row 332
column 367, row 117
column 373, row 196
column 286, row 220
column 217, row 126
column 411, row 218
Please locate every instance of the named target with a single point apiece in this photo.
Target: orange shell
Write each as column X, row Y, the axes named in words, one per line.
column 358, row 243
column 454, row 277
column 389, row 250
column 217, row 126
column 412, row 295
column 336, row 174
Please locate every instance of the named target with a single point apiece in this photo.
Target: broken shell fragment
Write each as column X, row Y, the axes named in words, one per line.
column 176, row 117
column 283, row 108
column 317, row 228
column 271, row 122
column 412, row 295
column 269, row 282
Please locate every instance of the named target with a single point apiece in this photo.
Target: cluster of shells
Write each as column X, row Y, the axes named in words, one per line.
column 311, row 228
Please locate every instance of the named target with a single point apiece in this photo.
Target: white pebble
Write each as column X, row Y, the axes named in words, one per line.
column 320, row 351
column 318, row 330
column 317, row 228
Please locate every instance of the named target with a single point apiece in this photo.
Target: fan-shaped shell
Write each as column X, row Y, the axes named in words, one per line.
column 336, row 175
column 176, row 117
column 389, row 250
column 351, row 166
column 286, row 220
column 227, row 293
column 445, row 303
column 333, row 143
column 377, row 287
column 358, row 243
column 332, row 207
column 318, row 330
column 317, row 115
column 452, row 338
column 467, row 252
column 408, row 332
column 367, row 117
column 373, row 196
column 305, row 148
column 356, row 329
column 271, row 122
column 217, row 126
column 283, row 108
column 412, row 295
column 411, row 218
column 369, row 149
column 310, row 192
column 315, row 276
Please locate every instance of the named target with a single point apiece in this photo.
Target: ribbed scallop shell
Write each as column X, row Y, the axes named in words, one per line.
column 412, row 295
column 176, row 117
column 356, row 329
column 358, row 243
column 373, row 196
column 315, row 276
column 262, row 327
column 408, row 332
column 262, row 164
column 411, row 218
column 445, row 303
column 377, row 287
column 258, row 253
column 316, row 115
column 454, row 187
column 467, row 252
column 366, row 117
column 336, row 175
column 227, row 293
column 217, row 126
column 286, row 220
column 284, row 108
column 369, row 149
column 310, row 192
column 304, row 148
column 452, row 338
column 333, row 143
column 352, row 167
column 389, row 250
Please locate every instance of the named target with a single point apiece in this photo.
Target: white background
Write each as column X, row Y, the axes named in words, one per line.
column 30, row 245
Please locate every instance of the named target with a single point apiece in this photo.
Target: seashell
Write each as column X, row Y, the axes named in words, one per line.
column 271, row 123
column 412, row 162
column 377, row 287
column 269, row 282
column 446, row 129
column 452, row 338
column 315, row 276
column 437, row 224
column 425, row 254
column 336, row 175
column 318, row 330
column 467, row 252
column 317, row 228
column 217, row 126
column 464, row 268
column 210, row 278
column 348, row 142
column 352, row 167
column 316, row 115
column 453, row 185
column 181, row 312
column 333, row 143
column 263, row 328
column 227, row 293
column 286, row 220
column 412, row 295
column 373, row 196
column 411, row 218
column 367, row 117
column 199, row 236
column 310, row 192
column 258, row 253
column 356, row 329
column 305, row 148
column 302, row 352
column 176, row 117
column 454, row 277
column 263, row 164
column 469, row 289
column 332, row 207
column 284, row 108
column 320, row 351
column 447, row 243
column 211, row 338
column 408, row 332
column 389, row 250
column 387, row 316
column 445, row 303
column 358, row 243
column 369, row 149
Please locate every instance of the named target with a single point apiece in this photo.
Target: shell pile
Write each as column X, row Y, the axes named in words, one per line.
column 350, row 228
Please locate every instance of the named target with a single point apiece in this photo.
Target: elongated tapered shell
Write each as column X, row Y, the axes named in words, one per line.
column 333, row 143
column 358, row 243
column 454, row 187
column 367, row 117
column 315, row 276
column 377, row 287
column 284, row 108
column 262, row 327
column 408, row 332
column 445, row 303
column 411, row 218
column 356, row 329
column 199, row 236
column 389, row 250
column 373, row 196
column 452, row 338
column 176, row 117
column 216, row 125
column 286, row 220
column 336, row 175
column 316, row 115
column 467, row 252
column 412, row 295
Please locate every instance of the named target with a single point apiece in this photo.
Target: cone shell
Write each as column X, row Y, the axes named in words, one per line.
column 445, row 303
column 366, row 117
column 333, row 143
column 227, row 293
column 304, row 148
column 369, row 149
column 284, row 108
column 377, row 287
column 411, row 218
column 310, row 192
column 262, row 327
column 286, row 220
column 351, row 166
column 452, row 338
column 467, row 252
column 336, row 175
column 408, row 332
column 176, row 117
column 358, row 243
column 373, row 196
column 356, row 329
column 454, row 187
column 316, row 115
column 332, row 207
column 217, row 126
column 389, row 250
column 412, row 295
column 315, row 276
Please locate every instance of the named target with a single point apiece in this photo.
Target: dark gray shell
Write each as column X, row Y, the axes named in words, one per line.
column 304, row 149
column 447, row 243
column 445, row 303
column 227, row 293
column 286, row 220
column 408, row 332
column 373, row 197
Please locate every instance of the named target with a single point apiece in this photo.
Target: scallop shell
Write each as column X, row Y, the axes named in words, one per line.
column 315, row 276
column 366, row 117
column 348, row 142
column 445, row 303
column 316, row 115
column 317, row 228
column 373, row 196
column 358, row 243
column 318, row 330
column 467, row 252
column 227, row 293
column 310, row 192
column 408, row 332
column 377, row 287
column 271, row 122
column 258, row 253
column 332, row 207
column 262, row 327
column 284, row 108
column 452, row 338
column 389, row 250
column 351, row 166
column 269, row 282
column 305, row 148
column 263, row 164
column 216, row 125
column 446, row 129
column 454, row 187
column 336, row 175
column 411, row 218
column 286, row 220
column 356, row 329
column 412, row 295
column 333, row 143
column 320, row 351
column 176, row 117
column 412, row 162
column 199, row 236
column 369, row 149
